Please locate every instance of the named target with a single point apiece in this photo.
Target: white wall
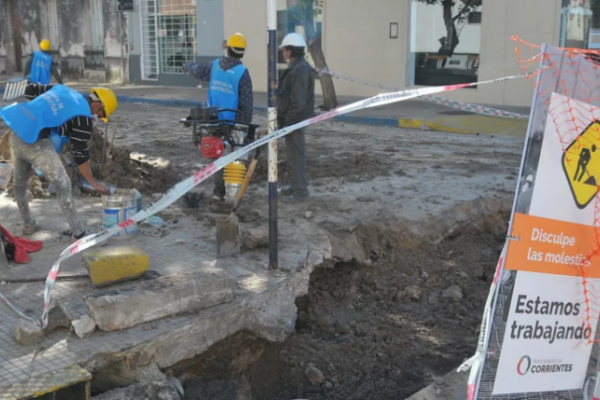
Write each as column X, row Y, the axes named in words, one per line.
column 357, row 43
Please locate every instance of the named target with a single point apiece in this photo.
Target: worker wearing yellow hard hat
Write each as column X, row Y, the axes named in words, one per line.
column 227, row 72
column 39, row 66
column 57, row 115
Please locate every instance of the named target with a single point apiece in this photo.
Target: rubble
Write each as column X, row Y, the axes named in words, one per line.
column 84, row 326
column 158, row 298
column 57, row 317
column 27, row 333
column 142, row 391
column 453, row 293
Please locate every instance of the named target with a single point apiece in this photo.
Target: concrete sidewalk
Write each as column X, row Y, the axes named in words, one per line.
column 417, row 114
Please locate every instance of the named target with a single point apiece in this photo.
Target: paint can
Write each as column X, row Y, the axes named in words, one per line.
column 119, row 207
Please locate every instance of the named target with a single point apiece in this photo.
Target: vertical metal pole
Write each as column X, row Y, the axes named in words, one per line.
column 272, row 125
column 119, row 14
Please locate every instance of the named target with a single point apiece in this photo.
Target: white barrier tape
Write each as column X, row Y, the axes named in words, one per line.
column 183, row 187
column 15, row 309
column 459, row 105
column 476, row 362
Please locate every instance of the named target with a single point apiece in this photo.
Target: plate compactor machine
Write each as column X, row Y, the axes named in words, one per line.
column 214, row 138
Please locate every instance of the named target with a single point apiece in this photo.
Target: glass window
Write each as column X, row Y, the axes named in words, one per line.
column 291, row 19
column 580, row 24
column 445, row 41
column 176, row 34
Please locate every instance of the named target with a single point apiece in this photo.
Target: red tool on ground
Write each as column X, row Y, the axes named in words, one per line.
column 18, row 248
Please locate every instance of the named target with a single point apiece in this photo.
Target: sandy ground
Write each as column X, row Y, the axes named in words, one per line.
column 356, row 172
column 378, row 328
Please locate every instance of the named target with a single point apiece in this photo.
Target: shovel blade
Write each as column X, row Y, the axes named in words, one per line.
column 228, row 236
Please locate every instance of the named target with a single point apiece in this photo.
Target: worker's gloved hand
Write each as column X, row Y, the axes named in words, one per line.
column 101, row 187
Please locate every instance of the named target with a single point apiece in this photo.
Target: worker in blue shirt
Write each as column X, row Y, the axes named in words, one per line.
column 55, row 116
column 230, row 87
column 39, row 66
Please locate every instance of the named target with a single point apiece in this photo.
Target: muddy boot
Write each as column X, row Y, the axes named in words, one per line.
column 30, row 228
column 287, row 192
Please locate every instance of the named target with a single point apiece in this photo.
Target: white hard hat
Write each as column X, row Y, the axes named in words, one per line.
column 293, row 39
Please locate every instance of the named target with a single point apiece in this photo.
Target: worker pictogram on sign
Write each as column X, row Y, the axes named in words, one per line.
column 581, row 163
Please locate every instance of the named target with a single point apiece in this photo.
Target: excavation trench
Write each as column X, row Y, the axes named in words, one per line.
column 393, row 313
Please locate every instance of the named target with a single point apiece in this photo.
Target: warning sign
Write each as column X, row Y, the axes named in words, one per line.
column 581, row 163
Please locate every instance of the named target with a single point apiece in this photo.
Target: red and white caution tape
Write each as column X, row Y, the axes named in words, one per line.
column 458, row 105
column 476, row 362
column 186, row 185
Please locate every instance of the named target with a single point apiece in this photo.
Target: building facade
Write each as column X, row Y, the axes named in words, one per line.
column 89, row 37
column 398, row 43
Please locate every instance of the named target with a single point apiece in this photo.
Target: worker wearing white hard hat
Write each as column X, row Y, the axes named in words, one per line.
column 295, row 103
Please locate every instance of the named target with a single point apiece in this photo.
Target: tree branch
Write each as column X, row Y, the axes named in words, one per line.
column 466, row 7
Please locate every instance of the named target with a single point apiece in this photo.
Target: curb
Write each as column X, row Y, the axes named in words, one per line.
column 390, row 122
column 469, row 125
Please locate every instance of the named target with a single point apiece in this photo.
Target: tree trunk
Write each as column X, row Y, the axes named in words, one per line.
column 451, row 34
column 316, row 51
column 315, row 48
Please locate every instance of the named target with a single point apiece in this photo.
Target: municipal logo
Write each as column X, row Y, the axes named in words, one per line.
column 523, row 365
column 581, row 164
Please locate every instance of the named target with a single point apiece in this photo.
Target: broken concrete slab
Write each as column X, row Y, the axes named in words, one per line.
column 255, row 237
column 27, row 333
column 452, row 386
column 58, row 317
column 150, row 300
column 228, row 236
column 84, row 326
column 115, row 264
column 142, row 391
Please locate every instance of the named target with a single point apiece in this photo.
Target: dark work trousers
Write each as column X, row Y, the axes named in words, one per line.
column 296, row 155
column 219, row 188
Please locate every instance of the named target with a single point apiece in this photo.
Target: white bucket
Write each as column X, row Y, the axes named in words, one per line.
column 5, row 175
column 118, row 208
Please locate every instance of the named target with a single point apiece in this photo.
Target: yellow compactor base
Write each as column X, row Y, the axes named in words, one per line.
column 115, row 264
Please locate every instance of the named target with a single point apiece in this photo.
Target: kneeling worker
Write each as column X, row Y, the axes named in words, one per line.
column 59, row 114
column 230, row 87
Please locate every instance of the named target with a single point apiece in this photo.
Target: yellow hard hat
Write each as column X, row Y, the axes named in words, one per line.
column 108, row 99
column 237, row 40
column 45, row 45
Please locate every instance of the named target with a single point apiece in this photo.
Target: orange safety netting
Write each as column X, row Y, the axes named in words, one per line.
column 574, row 74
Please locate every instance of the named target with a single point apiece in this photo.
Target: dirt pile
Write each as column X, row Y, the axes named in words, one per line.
column 424, row 300
column 380, row 329
column 123, row 172
column 118, row 169
column 361, row 167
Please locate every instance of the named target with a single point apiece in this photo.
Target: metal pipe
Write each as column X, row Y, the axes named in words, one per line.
column 272, row 125
column 119, row 15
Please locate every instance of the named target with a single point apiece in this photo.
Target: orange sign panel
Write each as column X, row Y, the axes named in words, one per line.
column 552, row 247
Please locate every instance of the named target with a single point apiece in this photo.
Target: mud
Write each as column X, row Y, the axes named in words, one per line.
column 425, row 301
column 379, row 329
column 417, row 220
column 116, row 168
column 121, row 170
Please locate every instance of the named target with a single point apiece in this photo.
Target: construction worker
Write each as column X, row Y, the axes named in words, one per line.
column 295, row 103
column 230, row 87
column 56, row 116
column 39, row 65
